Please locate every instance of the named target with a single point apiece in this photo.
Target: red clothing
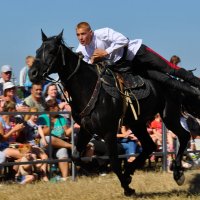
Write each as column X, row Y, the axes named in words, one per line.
column 156, row 125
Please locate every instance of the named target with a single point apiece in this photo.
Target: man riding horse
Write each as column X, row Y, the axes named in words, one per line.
column 108, row 44
column 98, row 112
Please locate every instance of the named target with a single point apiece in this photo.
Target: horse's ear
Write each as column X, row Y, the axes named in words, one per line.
column 59, row 37
column 44, row 37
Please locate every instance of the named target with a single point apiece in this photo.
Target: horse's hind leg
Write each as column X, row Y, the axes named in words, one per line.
column 173, row 124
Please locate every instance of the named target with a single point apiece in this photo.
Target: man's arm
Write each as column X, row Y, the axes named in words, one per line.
column 98, row 55
column 115, row 40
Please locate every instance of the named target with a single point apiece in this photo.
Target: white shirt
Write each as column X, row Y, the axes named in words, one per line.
column 22, row 76
column 2, row 80
column 111, row 41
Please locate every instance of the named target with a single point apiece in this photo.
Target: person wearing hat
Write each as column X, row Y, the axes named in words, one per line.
column 9, row 94
column 6, row 74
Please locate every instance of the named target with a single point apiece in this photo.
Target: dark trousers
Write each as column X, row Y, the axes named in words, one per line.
column 147, row 59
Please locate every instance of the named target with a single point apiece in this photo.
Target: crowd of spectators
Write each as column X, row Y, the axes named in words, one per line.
column 27, row 137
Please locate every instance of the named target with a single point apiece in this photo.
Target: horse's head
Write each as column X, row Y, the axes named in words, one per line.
column 47, row 57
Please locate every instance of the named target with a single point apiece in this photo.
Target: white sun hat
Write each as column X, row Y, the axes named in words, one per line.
column 8, row 85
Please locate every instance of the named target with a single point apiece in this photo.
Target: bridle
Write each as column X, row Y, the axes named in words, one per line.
column 50, row 65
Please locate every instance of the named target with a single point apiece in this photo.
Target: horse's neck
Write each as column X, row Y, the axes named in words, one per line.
column 81, row 85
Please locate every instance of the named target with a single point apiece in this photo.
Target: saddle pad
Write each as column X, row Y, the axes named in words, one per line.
column 139, row 92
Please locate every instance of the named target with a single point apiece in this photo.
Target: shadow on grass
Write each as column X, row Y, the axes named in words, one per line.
column 163, row 195
column 194, row 185
column 193, row 189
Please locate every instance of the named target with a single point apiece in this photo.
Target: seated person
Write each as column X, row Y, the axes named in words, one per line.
column 156, row 130
column 6, row 152
column 35, row 132
column 36, row 99
column 9, row 94
column 25, row 173
column 13, row 132
column 129, row 142
column 9, row 129
column 57, row 126
column 51, row 92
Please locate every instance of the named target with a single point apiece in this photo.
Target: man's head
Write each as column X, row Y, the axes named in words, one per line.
column 29, row 60
column 36, row 91
column 84, row 33
column 6, row 72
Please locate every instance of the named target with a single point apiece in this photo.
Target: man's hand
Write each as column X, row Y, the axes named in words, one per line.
column 98, row 55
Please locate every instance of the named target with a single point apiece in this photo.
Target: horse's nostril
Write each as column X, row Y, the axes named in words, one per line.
column 34, row 73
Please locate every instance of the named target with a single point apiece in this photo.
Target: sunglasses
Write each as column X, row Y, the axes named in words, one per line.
column 9, row 72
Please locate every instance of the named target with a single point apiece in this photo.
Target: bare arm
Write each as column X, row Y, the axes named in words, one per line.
column 124, row 132
column 46, row 130
column 16, row 128
column 41, row 133
column 68, row 130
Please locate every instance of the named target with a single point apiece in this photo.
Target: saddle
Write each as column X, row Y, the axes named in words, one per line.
column 133, row 84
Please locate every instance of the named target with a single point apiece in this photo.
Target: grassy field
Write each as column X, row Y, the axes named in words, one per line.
column 148, row 185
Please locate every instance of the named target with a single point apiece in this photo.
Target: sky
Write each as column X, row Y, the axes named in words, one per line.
column 169, row 27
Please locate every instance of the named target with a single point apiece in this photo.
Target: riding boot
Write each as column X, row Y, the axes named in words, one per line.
column 181, row 86
column 188, row 77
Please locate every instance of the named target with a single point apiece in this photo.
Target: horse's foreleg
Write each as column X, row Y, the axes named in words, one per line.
column 81, row 142
column 116, row 165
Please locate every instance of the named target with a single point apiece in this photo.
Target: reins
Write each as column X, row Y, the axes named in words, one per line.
column 45, row 74
column 80, row 57
column 87, row 108
column 58, row 82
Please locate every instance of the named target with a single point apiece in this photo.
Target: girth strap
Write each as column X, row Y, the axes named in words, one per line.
column 88, row 108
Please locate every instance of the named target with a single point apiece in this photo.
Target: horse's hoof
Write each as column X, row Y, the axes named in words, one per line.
column 129, row 192
column 180, row 180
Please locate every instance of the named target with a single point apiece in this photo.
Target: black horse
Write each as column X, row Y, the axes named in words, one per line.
column 98, row 112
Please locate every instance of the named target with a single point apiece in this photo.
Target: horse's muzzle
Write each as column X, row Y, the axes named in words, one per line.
column 33, row 75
